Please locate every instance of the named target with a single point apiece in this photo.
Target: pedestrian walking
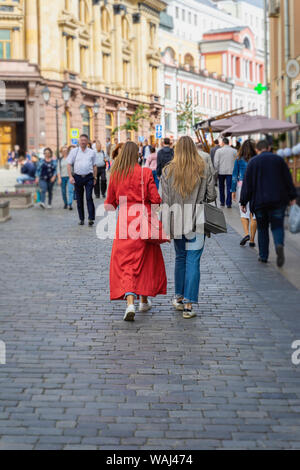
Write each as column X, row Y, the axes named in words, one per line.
column 213, row 150
column 164, row 156
column 151, row 163
column 246, row 152
column 101, row 159
column 186, row 182
column 83, row 160
column 46, row 176
column 146, row 151
column 224, row 164
column 137, row 267
column 269, row 188
column 67, row 189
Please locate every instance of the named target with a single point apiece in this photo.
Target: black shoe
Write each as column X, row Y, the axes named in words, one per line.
column 252, row 245
column 104, row 196
column 66, row 206
column 280, row 256
column 81, row 222
column 91, row 223
column 229, row 207
column 70, row 208
column 262, row 260
column 222, row 205
column 245, row 240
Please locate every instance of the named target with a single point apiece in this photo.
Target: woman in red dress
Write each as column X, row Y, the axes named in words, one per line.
column 137, row 268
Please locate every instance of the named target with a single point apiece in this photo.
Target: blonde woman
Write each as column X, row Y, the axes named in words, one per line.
column 187, row 181
column 137, row 268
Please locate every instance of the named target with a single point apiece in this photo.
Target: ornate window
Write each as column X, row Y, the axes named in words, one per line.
column 5, row 44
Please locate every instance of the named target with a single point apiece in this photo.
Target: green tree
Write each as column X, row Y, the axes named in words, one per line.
column 187, row 115
column 132, row 124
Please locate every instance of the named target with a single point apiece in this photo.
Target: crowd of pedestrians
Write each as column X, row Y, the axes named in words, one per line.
column 181, row 175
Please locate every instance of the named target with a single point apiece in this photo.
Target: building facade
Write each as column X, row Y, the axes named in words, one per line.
column 106, row 52
column 285, row 70
column 218, row 70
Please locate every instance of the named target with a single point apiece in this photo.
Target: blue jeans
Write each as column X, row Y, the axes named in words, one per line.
column 187, row 267
column 275, row 218
column 21, row 179
column 87, row 183
column 228, row 179
column 64, row 185
column 46, row 186
column 154, row 173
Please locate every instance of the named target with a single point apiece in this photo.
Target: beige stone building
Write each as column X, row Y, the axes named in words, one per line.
column 106, row 52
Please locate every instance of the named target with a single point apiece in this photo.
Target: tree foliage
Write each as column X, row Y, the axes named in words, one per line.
column 132, row 124
column 187, row 115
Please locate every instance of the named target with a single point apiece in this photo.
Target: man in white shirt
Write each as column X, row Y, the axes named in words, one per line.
column 83, row 160
column 224, row 164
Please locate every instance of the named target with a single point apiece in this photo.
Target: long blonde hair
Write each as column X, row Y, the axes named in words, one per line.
column 187, row 168
column 125, row 161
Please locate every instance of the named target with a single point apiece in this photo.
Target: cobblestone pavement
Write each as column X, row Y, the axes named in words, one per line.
column 77, row 376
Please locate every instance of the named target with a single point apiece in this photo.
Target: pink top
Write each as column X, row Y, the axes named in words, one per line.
column 152, row 161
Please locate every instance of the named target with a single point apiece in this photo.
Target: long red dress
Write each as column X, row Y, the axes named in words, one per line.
column 136, row 266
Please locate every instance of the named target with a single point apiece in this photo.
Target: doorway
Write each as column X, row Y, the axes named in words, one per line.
column 7, row 140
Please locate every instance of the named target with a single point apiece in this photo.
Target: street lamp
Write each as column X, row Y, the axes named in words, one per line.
column 66, row 94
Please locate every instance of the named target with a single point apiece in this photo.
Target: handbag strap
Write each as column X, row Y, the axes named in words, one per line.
column 143, row 191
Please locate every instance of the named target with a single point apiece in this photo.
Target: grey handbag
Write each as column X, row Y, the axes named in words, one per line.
column 214, row 219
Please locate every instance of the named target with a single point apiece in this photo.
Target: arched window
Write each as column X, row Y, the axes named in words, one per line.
column 247, row 43
column 189, row 60
column 105, row 23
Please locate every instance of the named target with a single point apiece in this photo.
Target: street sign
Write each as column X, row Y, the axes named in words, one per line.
column 158, row 131
column 260, row 88
column 141, row 138
column 292, row 109
column 74, row 133
column 74, row 141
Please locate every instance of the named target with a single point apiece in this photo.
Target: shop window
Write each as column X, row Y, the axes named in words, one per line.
column 5, row 44
column 109, row 124
column 86, row 123
column 66, row 128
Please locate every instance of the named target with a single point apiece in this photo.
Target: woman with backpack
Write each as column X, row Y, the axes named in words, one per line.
column 187, row 182
column 246, row 152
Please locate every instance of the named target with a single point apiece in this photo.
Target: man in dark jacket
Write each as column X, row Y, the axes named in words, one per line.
column 269, row 188
column 28, row 170
column 164, row 156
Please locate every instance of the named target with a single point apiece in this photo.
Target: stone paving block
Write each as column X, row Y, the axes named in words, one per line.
column 78, row 377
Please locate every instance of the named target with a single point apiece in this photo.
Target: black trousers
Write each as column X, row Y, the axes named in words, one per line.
column 101, row 175
column 87, row 183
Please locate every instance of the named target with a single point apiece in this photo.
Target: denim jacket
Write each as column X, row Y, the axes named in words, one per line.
column 238, row 174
